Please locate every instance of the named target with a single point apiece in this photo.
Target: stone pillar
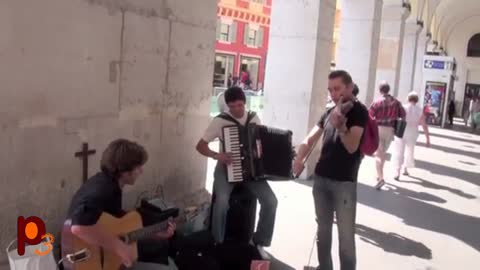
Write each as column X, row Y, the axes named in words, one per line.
column 409, row 58
column 299, row 56
column 391, row 45
column 417, row 81
column 357, row 50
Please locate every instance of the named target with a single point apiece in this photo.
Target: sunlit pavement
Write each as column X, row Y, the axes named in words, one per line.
column 430, row 220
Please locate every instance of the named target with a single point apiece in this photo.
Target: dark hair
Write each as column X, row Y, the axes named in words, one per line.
column 384, row 88
column 412, row 97
column 346, row 78
column 121, row 156
column 355, row 90
column 233, row 94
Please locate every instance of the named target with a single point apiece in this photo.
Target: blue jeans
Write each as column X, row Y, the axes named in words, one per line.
column 260, row 189
column 340, row 197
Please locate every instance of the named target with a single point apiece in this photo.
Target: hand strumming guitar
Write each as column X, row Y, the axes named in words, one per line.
column 125, row 252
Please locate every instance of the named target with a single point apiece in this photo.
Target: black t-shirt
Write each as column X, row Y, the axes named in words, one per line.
column 335, row 161
column 101, row 193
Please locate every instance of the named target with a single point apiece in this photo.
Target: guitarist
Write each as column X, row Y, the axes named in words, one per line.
column 121, row 164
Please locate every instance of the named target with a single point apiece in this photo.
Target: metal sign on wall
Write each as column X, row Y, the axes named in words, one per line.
column 434, row 64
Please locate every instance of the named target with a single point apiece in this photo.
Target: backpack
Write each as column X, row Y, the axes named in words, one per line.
column 370, row 140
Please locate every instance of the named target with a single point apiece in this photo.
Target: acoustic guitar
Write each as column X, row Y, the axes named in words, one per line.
column 79, row 255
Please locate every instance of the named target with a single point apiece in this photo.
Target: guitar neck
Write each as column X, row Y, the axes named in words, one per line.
column 146, row 232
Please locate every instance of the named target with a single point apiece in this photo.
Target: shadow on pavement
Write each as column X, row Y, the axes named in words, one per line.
column 451, row 150
column 424, row 196
column 428, row 184
column 464, row 138
column 423, row 215
column 417, row 213
column 471, row 177
column 393, row 243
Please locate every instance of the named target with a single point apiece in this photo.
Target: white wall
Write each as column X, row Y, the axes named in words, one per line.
column 473, row 75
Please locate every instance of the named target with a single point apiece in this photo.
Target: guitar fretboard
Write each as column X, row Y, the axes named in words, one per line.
column 146, row 232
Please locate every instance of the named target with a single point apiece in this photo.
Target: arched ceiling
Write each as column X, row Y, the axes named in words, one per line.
column 441, row 17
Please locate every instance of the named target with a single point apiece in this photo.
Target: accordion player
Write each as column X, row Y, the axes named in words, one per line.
column 258, row 153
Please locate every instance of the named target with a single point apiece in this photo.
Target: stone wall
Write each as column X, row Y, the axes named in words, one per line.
column 92, row 71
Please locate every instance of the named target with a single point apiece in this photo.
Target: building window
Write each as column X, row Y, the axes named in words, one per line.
column 248, row 76
column 223, row 70
column 226, row 32
column 474, row 46
column 263, row 2
column 253, row 36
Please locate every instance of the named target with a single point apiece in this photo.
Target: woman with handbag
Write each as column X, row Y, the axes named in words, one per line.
column 403, row 154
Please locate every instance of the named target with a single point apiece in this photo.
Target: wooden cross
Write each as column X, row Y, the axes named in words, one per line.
column 84, row 156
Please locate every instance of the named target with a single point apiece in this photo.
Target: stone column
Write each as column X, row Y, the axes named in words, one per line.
column 357, row 50
column 298, row 64
column 409, row 58
column 391, row 44
column 417, row 81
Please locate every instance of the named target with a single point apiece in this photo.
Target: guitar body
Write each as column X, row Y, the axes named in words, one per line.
column 100, row 259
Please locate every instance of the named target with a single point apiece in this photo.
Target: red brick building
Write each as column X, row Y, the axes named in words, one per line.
column 242, row 40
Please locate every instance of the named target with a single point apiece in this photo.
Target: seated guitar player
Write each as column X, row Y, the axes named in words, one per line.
column 121, row 164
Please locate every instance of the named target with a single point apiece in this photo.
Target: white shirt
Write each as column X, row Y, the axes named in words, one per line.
column 215, row 128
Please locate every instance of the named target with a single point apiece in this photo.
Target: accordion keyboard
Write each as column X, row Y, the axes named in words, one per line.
column 233, row 145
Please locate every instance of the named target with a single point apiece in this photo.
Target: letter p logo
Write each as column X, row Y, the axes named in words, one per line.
column 29, row 231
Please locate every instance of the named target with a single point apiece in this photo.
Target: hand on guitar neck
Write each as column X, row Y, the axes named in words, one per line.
column 127, row 254
column 163, row 235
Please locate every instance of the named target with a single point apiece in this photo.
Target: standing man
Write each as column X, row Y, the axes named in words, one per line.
column 451, row 111
column 236, row 115
column 385, row 110
column 335, row 177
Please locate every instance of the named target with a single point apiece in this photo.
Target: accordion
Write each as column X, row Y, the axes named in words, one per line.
column 258, row 153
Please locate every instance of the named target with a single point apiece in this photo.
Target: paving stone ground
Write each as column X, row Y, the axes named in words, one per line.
column 430, row 220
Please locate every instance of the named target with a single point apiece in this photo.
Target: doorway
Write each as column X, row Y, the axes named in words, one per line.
column 251, row 65
column 471, row 90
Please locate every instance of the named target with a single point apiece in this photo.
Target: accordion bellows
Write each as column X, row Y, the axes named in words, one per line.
column 259, row 153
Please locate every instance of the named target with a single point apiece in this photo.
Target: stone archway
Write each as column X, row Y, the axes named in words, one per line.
column 473, row 48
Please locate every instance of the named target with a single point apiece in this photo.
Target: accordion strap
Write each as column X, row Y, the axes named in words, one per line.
column 228, row 117
column 250, row 116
